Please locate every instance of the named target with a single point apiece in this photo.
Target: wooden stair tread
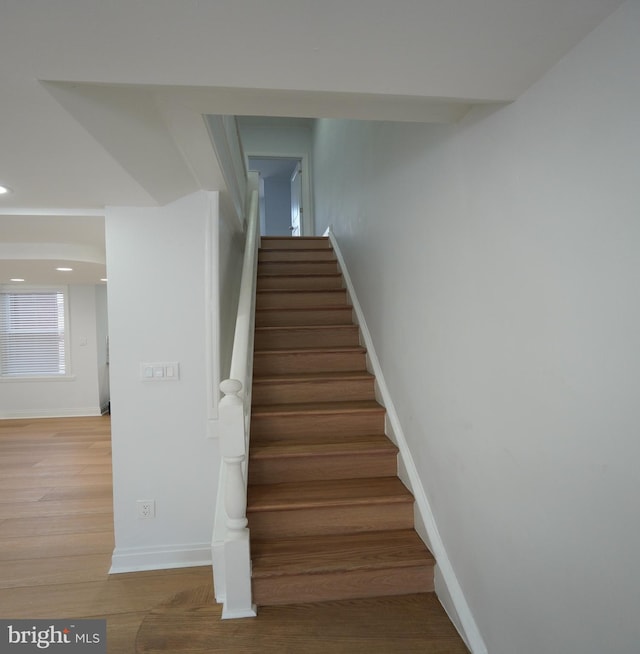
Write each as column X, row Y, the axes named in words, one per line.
column 270, row 328
column 310, row 328
column 291, row 266
column 300, row 297
column 365, row 550
column 288, row 267
column 329, row 349
column 297, row 291
column 301, row 259
column 270, row 337
column 302, row 250
column 297, row 276
column 315, row 307
column 315, row 408
column 316, row 242
column 308, row 377
column 283, row 316
column 319, row 446
column 334, row 493
column 275, row 281
column 295, row 238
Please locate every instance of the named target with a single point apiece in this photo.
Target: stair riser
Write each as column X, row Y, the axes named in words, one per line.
column 297, row 243
column 276, row 428
column 291, row 469
column 342, row 585
column 301, row 317
column 298, row 268
column 276, row 363
column 299, row 283
column 331, row 520
column 328, row 336
column 275, row 392
column 295, row 255
column 299, row 299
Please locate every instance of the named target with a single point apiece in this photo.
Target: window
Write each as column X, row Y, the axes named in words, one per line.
column 32, row 333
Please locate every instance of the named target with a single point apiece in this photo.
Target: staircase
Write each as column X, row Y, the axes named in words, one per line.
column 329, row 518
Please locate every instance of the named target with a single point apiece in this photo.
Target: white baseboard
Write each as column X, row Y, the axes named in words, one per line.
column 51, row 413
column 137, row 559
column 447, row 586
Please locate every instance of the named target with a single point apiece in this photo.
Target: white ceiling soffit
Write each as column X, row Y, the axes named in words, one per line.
column 42, row 272
column 56, row 251
column 127, row 123
column 313, row 104
column 158, row 133
column 33, row 246
column 272, row 121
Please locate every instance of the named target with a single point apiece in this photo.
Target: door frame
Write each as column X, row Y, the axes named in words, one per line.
column 307, row 225
column 297, row 185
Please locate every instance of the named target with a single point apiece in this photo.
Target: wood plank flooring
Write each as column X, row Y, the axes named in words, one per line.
column 56, row 531
column 411, row 624
column 56, row 540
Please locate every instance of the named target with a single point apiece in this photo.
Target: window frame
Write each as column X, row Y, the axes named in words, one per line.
column 11, row 289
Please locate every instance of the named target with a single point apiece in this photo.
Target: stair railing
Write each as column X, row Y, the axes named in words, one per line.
column 231, row 550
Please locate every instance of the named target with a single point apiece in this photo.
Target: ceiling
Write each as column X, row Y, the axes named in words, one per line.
column 102, row 102
column 32, row 247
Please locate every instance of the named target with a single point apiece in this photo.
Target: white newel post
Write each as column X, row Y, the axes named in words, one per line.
column 230, row 546
column 237, row 555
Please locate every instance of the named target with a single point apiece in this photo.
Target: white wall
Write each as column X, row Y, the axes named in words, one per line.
column 102, row 346
column 230, row 252
column 497, row 265
column 156, row 263
column 75, row 395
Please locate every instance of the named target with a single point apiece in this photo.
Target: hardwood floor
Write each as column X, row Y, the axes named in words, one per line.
column 190, row 624
column 56, row 540
column 56, row 531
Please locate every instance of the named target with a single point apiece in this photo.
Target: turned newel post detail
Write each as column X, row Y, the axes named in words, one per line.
column 236, row 499
column 233, row 454
column 236, row 548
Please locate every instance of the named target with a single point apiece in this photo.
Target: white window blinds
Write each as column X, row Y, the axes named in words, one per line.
column 32, row 333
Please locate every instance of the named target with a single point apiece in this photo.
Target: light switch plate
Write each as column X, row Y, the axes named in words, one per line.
column 158, row 371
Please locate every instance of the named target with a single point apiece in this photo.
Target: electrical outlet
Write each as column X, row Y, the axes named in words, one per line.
column 146, row 508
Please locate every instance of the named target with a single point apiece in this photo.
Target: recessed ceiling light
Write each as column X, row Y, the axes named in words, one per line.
column 103, row 279
column 64, row 269
column 4, row 190
column 17, row 279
